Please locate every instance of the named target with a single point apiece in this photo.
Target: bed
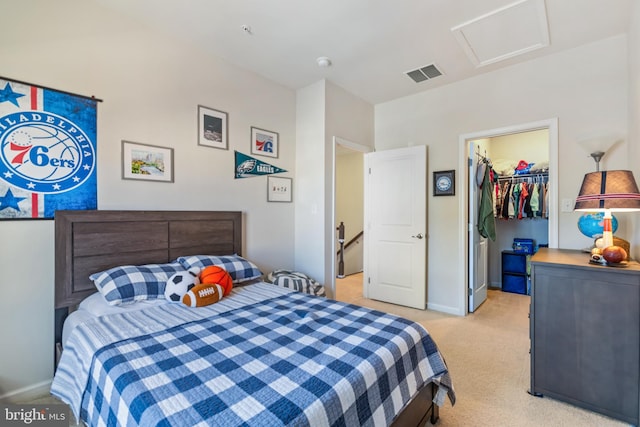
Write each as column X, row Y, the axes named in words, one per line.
column 263, row 355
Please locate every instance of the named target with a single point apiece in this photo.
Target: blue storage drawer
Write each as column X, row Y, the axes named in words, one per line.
column 515, row 272
column 515, row 283
column 514, row 262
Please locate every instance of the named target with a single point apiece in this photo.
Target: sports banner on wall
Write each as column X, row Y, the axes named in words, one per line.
column 247, row 166
column 47, row 151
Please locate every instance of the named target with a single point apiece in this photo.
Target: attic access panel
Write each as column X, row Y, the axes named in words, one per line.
column 506, row 32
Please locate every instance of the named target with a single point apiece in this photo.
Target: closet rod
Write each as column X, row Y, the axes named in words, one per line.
column 524, row 175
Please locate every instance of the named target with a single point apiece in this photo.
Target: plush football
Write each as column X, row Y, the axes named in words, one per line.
column 614, row 254
column 179, row 284
column 217, row 275
column 203, row 294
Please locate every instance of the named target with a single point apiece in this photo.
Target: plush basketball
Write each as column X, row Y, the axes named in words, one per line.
column 203, row 294
column 217, row 275
column 179, row 284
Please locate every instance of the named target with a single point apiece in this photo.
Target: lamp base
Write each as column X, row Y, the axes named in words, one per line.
column 607, row 230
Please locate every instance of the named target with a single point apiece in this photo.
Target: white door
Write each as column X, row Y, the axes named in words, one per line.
column 478, row 245
column 395, row 213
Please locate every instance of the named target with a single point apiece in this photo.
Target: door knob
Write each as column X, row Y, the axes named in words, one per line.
column 419, row 236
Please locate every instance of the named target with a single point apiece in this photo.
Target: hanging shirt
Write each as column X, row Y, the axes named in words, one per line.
column 506, row 191
column 515, row 199
column 497, row 206
column 534, row 200
column 523, row 198
column 486, row 220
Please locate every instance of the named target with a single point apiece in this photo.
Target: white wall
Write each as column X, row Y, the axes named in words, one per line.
column 324, row 110
column 634, row 113
column 310, row 186
column 151, row 86
column 532, row 147
column 352, row 119
column 588, row 97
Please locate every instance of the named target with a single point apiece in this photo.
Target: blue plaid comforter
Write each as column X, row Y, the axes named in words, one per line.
column 293, row 360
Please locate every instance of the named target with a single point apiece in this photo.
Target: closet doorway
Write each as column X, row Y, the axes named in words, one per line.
column 478, row 250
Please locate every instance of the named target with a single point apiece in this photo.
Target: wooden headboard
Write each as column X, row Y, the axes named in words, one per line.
column 90, row 241
column 87, row 242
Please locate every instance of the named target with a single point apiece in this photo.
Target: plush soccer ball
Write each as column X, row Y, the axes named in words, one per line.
column 203, row 294
column 179, row 284
column 217, row 275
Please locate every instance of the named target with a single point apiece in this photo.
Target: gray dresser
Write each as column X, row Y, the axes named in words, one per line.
column 585, row 333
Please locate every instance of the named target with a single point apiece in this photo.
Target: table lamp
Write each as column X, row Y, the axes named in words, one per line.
column 607, row 191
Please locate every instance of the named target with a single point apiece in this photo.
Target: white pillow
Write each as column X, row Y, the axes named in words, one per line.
column 96, row 305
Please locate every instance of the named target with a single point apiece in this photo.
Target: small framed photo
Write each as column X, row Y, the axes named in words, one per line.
column 264, row 142
column 444, row 183
column 278, row 189
column 147, row 162
column 212, row 128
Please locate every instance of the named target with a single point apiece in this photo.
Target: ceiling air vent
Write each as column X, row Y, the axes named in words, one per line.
column 424, row 73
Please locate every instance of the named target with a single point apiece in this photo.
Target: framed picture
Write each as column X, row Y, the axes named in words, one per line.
column 278, row 189
column 212, row 128
column 147, row 162
column 444, row 183
column 264, row 142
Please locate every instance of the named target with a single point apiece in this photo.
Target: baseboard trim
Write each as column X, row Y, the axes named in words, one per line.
column 444, row 309
column 28, row 393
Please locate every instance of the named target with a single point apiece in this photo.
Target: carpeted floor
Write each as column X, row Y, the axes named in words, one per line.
column 487, row 354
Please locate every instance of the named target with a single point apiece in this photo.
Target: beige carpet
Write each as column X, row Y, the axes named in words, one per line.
column 487, row 354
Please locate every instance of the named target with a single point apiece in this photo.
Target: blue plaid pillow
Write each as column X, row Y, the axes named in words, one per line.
column 238, row 268
column 131, row 283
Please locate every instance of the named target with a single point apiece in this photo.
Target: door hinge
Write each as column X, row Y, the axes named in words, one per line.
column 368, row 279
column 369, row 171
column 470, row 162
column 470, row 291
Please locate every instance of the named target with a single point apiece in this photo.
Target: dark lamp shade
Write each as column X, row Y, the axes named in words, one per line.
column 616, row 190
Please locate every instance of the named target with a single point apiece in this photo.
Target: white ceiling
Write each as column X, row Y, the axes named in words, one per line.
column 372, row 43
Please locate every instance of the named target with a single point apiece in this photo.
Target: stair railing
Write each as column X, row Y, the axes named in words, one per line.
column 344, row 246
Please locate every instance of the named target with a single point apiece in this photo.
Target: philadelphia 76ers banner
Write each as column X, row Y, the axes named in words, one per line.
column 47, row 151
